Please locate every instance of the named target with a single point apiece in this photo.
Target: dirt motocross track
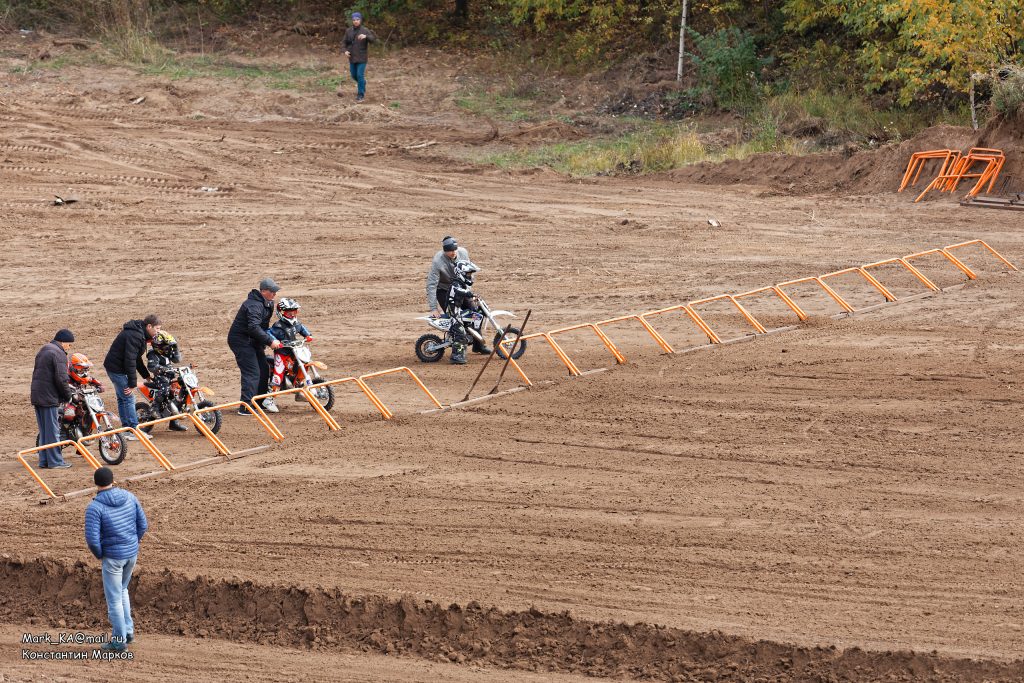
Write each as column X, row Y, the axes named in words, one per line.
column 745, row 512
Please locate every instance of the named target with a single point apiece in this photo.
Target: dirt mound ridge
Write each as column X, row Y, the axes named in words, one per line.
column 878, row 170
column 46, row 590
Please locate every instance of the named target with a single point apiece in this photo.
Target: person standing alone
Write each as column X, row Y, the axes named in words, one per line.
column 50, row 389
column 114, row 525
column 357, row 49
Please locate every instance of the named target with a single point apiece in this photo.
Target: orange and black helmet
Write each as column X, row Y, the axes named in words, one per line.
column 78, row 369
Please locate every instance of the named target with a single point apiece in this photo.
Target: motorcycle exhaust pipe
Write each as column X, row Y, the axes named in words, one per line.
column 474, row 333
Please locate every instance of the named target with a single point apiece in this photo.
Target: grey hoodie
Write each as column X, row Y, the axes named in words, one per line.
column 442, row 272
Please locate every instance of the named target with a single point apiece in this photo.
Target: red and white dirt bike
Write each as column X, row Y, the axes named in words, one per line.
column 85, row 415
column 301, row 370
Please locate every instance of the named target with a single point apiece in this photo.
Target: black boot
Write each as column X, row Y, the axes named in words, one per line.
column 458, row 354
column 177, row 426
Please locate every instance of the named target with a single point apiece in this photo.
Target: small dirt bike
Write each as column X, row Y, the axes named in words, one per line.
column 475, row 319
column 85, row 414
column 176, row 391
column 301, row 370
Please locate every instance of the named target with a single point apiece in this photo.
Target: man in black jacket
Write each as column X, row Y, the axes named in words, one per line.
column 50, row 389
column 357, row 49
column 248, row 337
column 124, row 363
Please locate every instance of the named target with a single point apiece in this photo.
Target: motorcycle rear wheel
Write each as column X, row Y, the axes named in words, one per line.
column 325, row 395
column 423, row 346
column 145, row 413
column 211, row 419
column 113, row 449
column 509, row 335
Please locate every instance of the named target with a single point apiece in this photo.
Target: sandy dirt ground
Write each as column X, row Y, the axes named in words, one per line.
column 853, row 483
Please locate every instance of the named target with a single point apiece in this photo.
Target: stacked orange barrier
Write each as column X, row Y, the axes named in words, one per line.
column 962, row 167
column 919, row 159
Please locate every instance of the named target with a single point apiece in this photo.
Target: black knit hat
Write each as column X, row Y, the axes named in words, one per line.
column 449, row 243
column 64, row 335
column 104, row 476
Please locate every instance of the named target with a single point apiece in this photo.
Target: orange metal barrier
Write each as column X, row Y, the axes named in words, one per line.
column 780, row 294
column 750, row 319
column 143, row 440
column 619, row 358
column 82, row 450
column 867, row 276
column 821, row 283
column 383, row 409
column 412, row 374
column 949, row 257
column 903, row 262
column 332, row 425
column 270, row 429
column 692, row 315
column 983, row 244
column 570, row 366
column 646, row 325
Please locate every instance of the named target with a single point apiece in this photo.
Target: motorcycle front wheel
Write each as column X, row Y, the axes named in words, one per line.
column 509, row 335
column 210, row 419
column 145, row 413
column 113, row 449
column 325, row 395
column 430, row 348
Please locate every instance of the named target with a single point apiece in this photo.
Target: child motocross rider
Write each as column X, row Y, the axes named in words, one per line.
column 160, row 359
column 78, row 373
column 286, row 329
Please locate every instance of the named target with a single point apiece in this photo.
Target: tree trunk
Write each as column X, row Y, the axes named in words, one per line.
column 682, row 44
column 462, row 10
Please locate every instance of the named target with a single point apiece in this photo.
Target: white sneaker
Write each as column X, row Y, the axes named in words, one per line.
column 269, row 406
column 128, row 436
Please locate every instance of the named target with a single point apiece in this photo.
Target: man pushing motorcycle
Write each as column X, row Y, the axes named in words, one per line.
column 439, row 287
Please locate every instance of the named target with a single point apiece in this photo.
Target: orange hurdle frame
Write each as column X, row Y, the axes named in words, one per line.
column 391, row 371
column 949, row 257
column 276, row 436
column 758, row 327
column 562, row 356
column 254, row 404
column 160, row 458
column 983, row 244
column 659, row 340
column 367, row 391
column 619, row 358
column 867, row 276
column 780, row 294
column 903, row 262
column 82, row 450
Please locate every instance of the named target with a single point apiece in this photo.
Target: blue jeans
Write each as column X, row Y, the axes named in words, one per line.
column 116, row 575
column 49, row 432
column 125, row 404
column 358, row 72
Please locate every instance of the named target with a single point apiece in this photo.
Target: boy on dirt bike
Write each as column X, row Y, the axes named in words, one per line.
column 286, row 329
column 78, row 373
column 159, row 359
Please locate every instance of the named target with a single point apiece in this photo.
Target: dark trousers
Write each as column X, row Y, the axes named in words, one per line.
column 458, row 330
column 49, row 432
column 252, row 363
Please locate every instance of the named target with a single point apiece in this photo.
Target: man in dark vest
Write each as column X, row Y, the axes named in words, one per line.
column 247, row 339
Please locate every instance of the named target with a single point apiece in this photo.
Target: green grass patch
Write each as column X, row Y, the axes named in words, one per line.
column 658, row 147
column 496, row 105
column 274, row 77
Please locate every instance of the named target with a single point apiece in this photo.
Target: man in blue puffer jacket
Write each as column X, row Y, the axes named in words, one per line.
column 114, row 525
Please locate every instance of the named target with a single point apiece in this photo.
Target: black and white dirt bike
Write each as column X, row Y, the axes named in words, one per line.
column 476, row 319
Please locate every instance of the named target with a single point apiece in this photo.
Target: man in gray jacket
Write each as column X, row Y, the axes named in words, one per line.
column 50, row 389
column 439, row 284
